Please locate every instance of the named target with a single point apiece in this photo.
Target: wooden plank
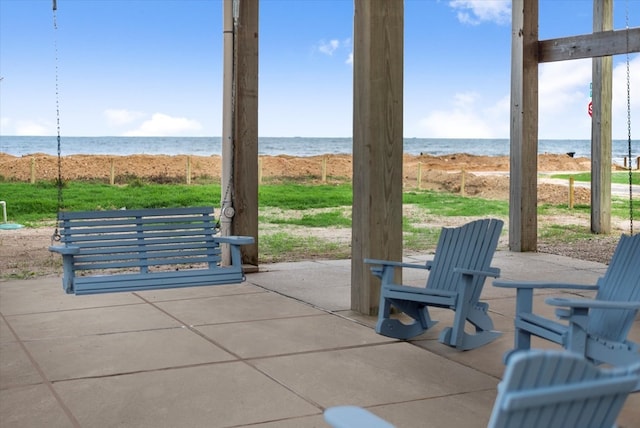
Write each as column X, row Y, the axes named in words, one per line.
column 523, row 194
column 377, row 144
column 603, row 43
column 601, row 144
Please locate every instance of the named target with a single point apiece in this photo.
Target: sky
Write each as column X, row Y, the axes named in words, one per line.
column 154, row 68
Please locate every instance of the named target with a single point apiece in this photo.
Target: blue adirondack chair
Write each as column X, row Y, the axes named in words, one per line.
column 539, row 389
column 550, row 389
column 596, row 328
column 456, row 277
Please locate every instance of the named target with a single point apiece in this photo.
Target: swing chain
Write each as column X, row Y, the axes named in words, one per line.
column 629, row 123
column 56, row 233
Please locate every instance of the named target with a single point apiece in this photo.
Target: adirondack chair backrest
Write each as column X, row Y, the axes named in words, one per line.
column 621, row 282
column 471, row 247
column 560, row 389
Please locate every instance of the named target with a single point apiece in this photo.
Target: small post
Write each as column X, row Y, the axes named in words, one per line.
column 571, row 192
column 419, row 175
column 638, row 162
column 112, row 172
column 462, row 182
column 33, row 170
column 188, row 170
column 624, row 162
column 324, row 168
column 260, row 170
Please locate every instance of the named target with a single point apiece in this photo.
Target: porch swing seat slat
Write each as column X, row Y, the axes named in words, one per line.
column 146, row 249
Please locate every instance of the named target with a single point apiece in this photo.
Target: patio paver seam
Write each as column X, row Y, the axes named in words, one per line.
column 45, row 381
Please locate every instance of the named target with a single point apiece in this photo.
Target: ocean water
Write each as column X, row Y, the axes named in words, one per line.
column 295, row 146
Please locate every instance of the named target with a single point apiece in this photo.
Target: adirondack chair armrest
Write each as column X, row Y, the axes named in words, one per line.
column 65, row 250
column 571, row 308
column 394, row 264
column 492, row 272
column 381, row 265
column 534, row 284
column 590, row 303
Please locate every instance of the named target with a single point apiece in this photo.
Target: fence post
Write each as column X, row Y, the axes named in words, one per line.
column 33, row 170
column 462, row 182
column 419, row 175
column 259, row 170
column 571, row 192
column 188, row 170
column 324, row 168
column 112, row 172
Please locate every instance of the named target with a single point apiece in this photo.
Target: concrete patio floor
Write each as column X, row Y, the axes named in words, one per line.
column 274, row 351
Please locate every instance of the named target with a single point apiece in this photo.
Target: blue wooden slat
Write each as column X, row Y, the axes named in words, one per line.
column 560, row 389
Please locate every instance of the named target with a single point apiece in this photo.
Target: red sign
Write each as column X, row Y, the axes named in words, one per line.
column 590, row 108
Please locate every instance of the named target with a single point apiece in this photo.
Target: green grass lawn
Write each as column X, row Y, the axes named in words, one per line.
column 287, row 211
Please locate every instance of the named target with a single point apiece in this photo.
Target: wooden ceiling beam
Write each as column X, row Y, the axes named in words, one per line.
column 598, row 44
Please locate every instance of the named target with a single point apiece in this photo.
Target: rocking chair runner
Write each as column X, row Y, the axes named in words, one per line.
column 457, row 275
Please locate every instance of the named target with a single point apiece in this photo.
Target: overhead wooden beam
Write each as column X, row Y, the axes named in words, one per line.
column 598, row 44
column 377, row 144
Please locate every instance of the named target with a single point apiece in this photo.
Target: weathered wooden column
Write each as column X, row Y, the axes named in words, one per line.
column 245, row 165
column 377, row 144
column 523, row 192
column 602, row 81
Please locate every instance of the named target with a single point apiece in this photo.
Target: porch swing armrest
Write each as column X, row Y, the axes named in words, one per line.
column 65, row 250
column 234, row 240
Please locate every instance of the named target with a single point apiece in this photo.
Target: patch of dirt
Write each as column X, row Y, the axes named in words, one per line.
column 23, row 252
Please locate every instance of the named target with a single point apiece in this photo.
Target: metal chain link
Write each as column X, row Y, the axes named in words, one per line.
column 629, row 124
column 56, row 233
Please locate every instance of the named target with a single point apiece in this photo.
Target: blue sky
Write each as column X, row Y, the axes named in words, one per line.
column 154, row 68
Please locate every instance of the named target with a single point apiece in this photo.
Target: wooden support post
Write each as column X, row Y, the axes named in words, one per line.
column 602, row 72
column 523, row 193
column 419, row 175
column 377, row 144
column 245, row 160
column 462, row 182
column 112, row 172
column 260, row 170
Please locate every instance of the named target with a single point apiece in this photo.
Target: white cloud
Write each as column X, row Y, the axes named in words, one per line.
column 32, row 128
column 119, row 117
column 562, row 106
column 468, row 118
column 163, row 125
column 475, row 12
column 328, row 48
column 334, row 45
column 5, row 123
column 564, row 97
